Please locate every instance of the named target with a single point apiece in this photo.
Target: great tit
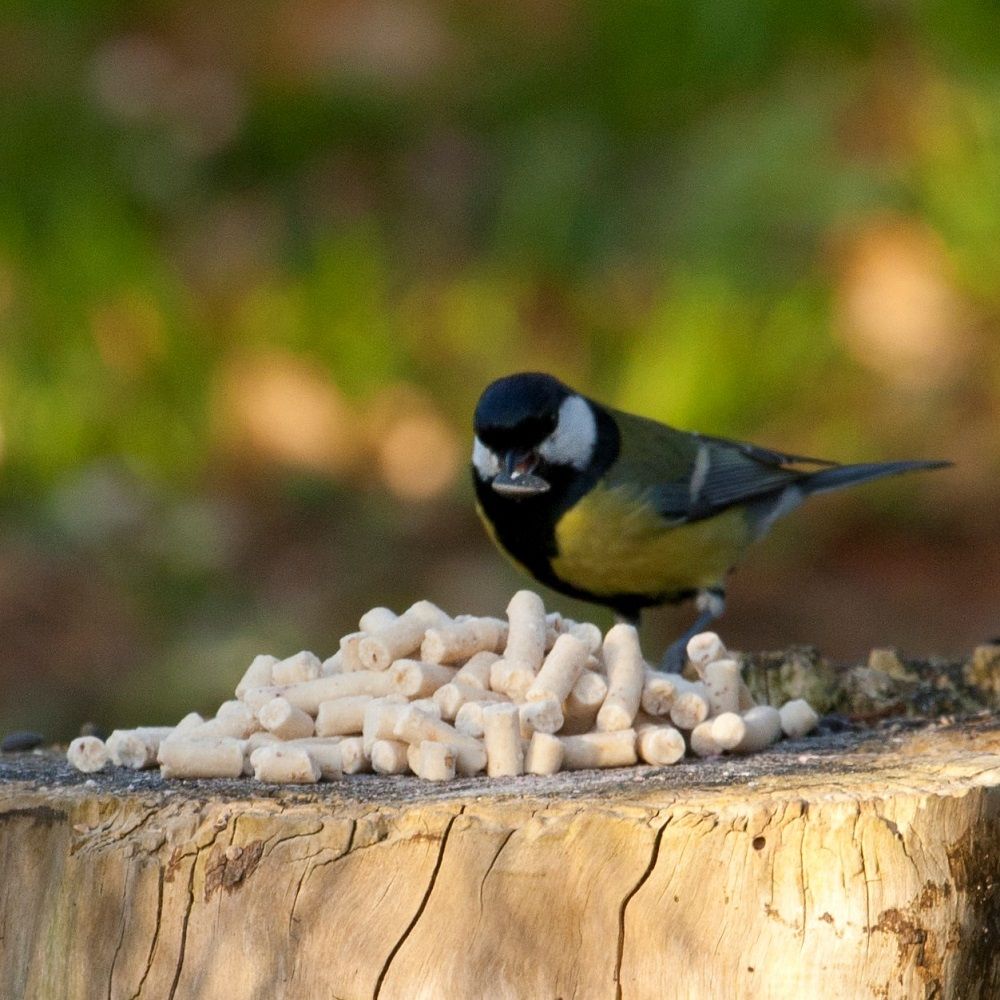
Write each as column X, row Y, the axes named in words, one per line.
column 627, row 512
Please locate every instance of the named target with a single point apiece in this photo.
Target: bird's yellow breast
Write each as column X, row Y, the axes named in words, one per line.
column 613, row 542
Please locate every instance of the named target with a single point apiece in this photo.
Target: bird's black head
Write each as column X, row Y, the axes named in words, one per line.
column 519, row 411
column 527, row 427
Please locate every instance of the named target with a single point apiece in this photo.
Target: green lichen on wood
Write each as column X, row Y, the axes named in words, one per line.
column 887, row 685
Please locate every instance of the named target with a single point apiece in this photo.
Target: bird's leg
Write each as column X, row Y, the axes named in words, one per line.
column 710, row 604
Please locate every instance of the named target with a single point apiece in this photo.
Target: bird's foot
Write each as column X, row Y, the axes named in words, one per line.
column 675, row 657
column 710, row 604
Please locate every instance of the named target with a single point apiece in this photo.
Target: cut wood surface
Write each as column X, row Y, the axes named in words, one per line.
column 847, row 865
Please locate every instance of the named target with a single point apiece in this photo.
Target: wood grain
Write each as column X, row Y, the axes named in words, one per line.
column 842, row 866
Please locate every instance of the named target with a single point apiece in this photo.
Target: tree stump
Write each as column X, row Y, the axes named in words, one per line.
column 849, row 865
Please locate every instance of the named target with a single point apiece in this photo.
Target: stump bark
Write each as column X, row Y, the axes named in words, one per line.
column 842, row 866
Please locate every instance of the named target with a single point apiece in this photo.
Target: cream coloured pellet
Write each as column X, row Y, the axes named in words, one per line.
column 236, row 719
column 380, row 718
column 512, row 678
column 309, row 695
column 413, row 757
column 502, row 735
column 584, row 702
column 415, row 726
column 703, row 743
column 354, row 758
column 456, row 642
column 626, row 672
column 798, row 718
column 525, row 646
column 304, row 666
column 190, row 722
column 658, row 692
column 469, row 719
column 258, row 674
column 281, row 764
column 659, row 744
column 705, row 648
column 233, row 727
column 401, row 637
column 87, row 754
column 436, row 761
column 428, row 612
column 416, row 679
column 376, row 619
column 342, row 716
column 476, row 670
column 187, row 758
column 325, row 753
column 553, row 629
column 722, row 685
column 136, row 748
column 645, row 719
column 427, row 705
column 690, row 705
column 609, row 749
column 281, row 717
column 763, row 727
column 542, row 716
column 728, row 729
column 544, row 754
column 350, row 652
column 389, row 757
column 261, row 738
column 332, row 665
column 562, row 666
column 450, row 697
column 587, row 633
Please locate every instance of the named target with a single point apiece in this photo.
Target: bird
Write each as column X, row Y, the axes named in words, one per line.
column 626, row 512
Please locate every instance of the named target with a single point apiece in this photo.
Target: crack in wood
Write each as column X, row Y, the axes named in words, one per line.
column 864, row 875
column 420, row 909
column 654, row 855
column 307, row 868
column 274, row 842
column 482, row 882
column 188, row 907
column 156, row 935
column 121, row 931
column 803, row 872
column 184, row 928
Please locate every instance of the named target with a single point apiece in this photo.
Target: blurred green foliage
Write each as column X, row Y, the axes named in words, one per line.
column 770, row 220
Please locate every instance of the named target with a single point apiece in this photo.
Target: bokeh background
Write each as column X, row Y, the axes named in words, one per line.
column 258, row 260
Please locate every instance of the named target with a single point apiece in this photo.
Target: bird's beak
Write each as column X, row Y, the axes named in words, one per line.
column 517, row 478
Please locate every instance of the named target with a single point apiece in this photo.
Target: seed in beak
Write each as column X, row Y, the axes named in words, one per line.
column 517, row 479
column 520, row 485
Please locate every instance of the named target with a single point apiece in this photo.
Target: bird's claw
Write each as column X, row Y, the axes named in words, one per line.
column 675, row 657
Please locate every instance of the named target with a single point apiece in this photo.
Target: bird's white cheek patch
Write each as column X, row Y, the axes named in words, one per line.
column 486, row 463
column 575, row 437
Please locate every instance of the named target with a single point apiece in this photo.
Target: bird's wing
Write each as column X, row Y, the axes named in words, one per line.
column 688, row 476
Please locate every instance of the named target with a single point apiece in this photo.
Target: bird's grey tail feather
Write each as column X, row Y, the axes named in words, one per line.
column 850, row 475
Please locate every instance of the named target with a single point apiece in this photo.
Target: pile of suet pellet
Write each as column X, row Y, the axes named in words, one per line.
column 426, row 694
